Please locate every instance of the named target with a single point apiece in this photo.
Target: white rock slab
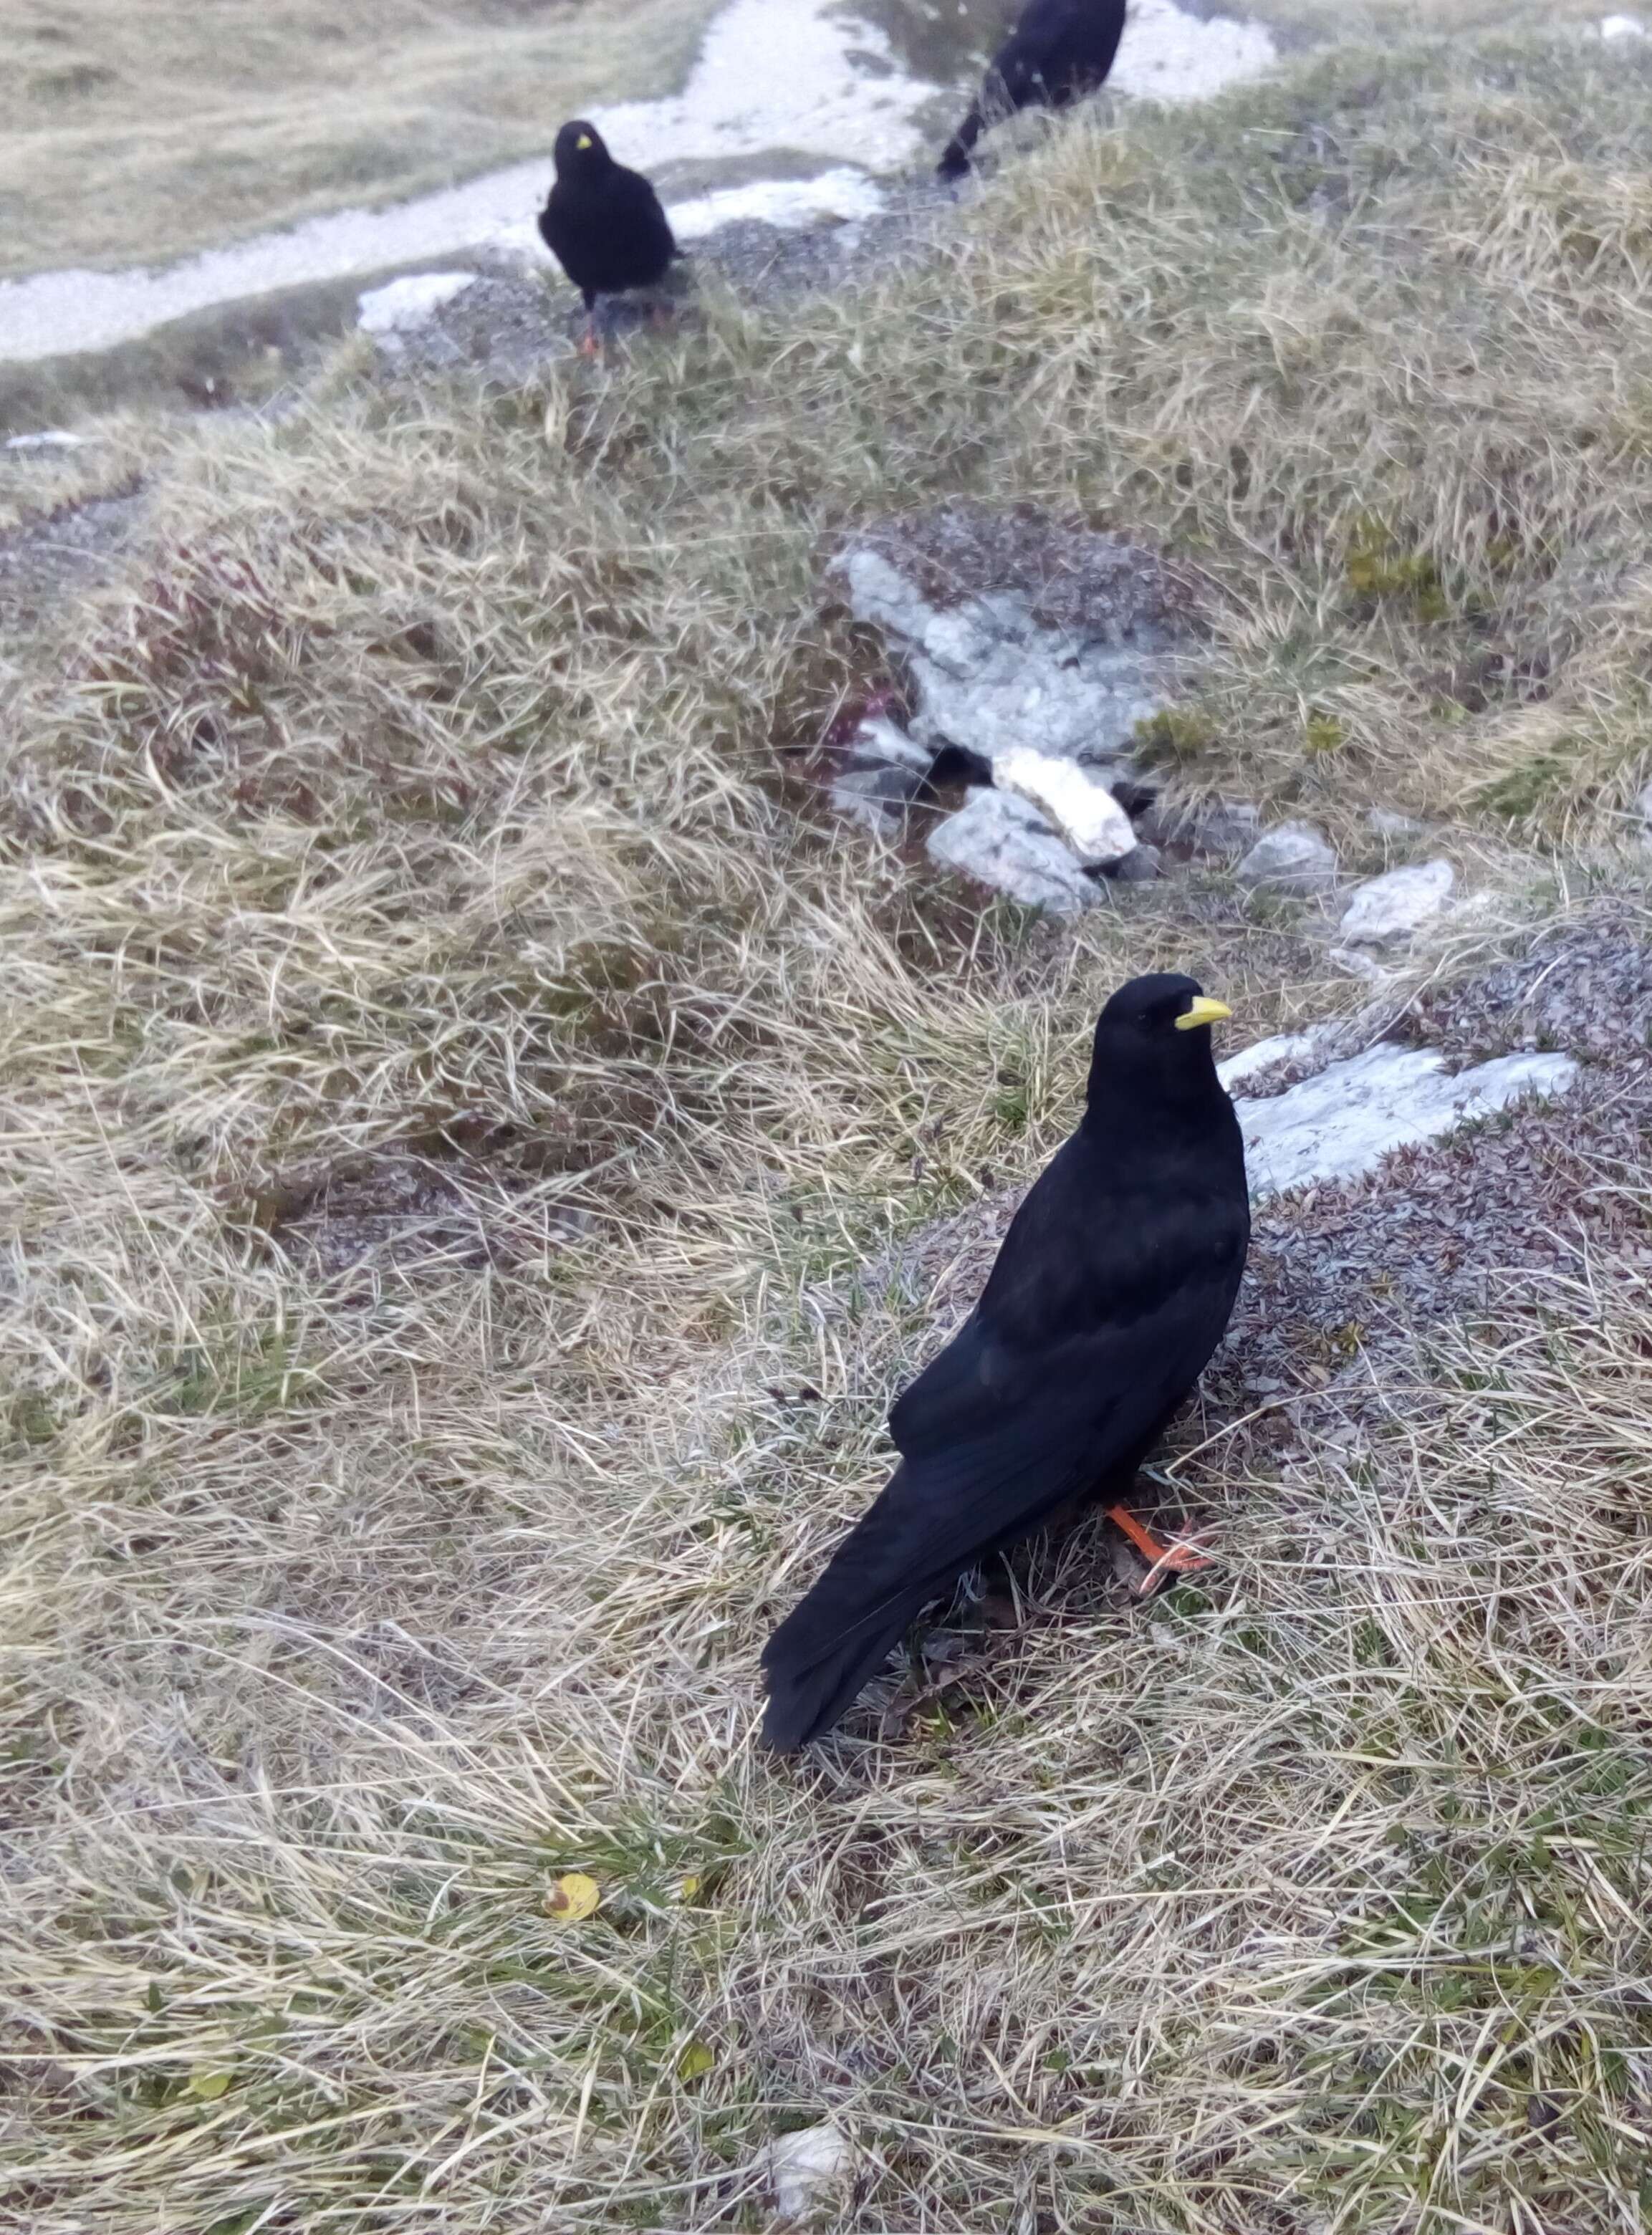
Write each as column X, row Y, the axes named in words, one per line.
column 389, row 312
column 1082, row 809
column 1262, row 1055
column 1002, row 841
column 1341, row 1123
column 990, row 677
column 1396, row 906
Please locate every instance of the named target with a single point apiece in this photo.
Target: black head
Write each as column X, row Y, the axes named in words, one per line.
column 580, row 150
column 1153, row 1041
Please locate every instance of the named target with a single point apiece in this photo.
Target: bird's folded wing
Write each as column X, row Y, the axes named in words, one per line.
column 994, row 1441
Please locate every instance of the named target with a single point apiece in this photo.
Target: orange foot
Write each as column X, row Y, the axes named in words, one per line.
column 1180, row 1557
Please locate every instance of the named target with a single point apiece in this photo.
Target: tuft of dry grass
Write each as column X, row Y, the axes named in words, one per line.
column 417, row 800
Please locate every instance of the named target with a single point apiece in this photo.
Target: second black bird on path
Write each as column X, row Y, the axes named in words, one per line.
column 604, row 224
column 1111, row 1291
column 1058, row 51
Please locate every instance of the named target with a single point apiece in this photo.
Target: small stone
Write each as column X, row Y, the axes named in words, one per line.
column 1002, row 841
column 1355, row 962
column 1393, row 908
column 875, row 796
column 1088, row 816
column 1386, row 822
column 880, row 743
column 1140, row 867
column 1292, row 859
column 1622, row 27
column 1220, row 826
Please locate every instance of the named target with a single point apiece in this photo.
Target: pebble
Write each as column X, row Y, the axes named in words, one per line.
column 1394, row 907
column 1293, row 859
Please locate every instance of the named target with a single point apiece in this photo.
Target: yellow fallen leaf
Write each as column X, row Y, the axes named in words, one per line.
column 689, row 1888
column 695, row 2060
column 207, row 2082
column 572, row 1897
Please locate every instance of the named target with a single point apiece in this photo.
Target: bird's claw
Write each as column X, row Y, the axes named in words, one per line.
column 1181, row 1557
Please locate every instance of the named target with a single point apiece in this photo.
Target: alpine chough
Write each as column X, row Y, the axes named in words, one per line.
column 1111, row 1289
column 1058, row 51
column 603, row 223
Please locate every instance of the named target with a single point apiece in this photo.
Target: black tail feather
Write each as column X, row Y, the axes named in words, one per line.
column 954, row 161
column 814, row 1677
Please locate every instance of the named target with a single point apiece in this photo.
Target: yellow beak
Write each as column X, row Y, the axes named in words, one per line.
column 584, row 139
column 1202, row 1010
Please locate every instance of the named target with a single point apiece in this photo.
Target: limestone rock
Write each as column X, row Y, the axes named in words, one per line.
column 1140, row 867
column 1002, row 841
column 1084, row 810
column 1292, row 859
column 1391, row 909
column 1343, row 1121
column 988, row 675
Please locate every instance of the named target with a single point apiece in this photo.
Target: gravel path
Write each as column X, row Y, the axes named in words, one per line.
column 782, row 83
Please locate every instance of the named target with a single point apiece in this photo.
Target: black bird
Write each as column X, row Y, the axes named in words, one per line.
column 604, row 224
column 1111, row 1289
column 1058, row 51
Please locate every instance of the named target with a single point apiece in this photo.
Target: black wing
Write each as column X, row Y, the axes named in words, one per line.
column 1059, row 48
column 1063, row 1376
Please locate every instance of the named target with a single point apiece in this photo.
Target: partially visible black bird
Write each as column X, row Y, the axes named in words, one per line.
column 604, row 224
column 1111, row 1291
column 1058, row 51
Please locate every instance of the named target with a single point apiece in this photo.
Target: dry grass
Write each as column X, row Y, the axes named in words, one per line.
column 129, row 135
column 422, row 798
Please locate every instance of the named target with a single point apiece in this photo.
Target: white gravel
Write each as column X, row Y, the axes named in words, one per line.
column 772, row 76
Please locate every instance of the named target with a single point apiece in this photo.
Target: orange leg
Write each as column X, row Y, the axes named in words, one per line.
column 589, row 346
column 1181, row 1557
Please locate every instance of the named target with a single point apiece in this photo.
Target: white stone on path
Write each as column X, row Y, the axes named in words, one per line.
column 1394, row 906
column 1082, row 809
column 1002, row 841
column 404, row 306
column 1341, row 1123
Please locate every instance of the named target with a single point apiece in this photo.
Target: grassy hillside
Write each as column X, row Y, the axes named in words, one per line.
column 406, row 856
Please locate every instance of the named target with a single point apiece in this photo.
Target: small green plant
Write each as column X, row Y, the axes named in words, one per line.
column 1174, row 737
column 1380, row 570
column 1525, row 791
